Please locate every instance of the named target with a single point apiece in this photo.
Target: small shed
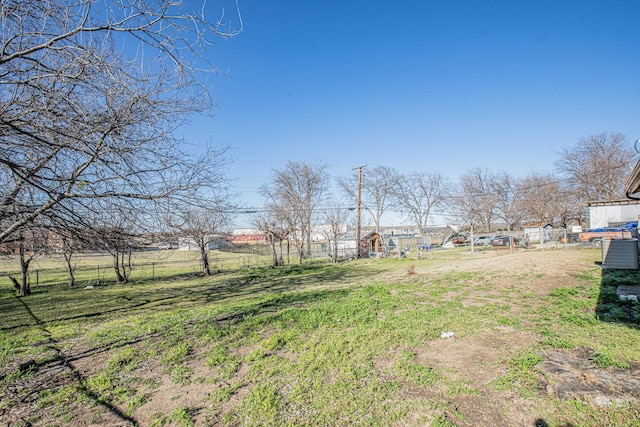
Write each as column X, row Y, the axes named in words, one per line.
column 372, row 243
column 533, row 231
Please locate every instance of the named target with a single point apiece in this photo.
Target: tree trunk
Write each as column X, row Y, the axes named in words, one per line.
column 288, row 252
column 23, row 288
column 204, row 255
column 274, row 252
column 121, row 276
column 67, row 259
column 281, row 259
column 72, row 279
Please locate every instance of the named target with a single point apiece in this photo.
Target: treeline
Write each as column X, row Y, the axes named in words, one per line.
column 594, row 169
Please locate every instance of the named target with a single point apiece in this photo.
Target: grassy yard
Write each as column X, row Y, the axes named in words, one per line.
column 357, row 343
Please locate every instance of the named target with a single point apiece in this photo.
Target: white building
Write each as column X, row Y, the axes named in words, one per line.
column 601, row 214
column 533, row 232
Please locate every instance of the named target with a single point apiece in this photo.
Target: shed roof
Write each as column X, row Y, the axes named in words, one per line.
column 614, row 202
column 537, row 224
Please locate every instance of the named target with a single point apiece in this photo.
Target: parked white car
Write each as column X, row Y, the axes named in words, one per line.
column 483, row 241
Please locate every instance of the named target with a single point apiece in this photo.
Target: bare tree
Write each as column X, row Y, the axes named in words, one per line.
column 115, row 227
column 297, row 190
column 570, row 208
column 119, row 242
column 336, row 219
column 541, row 199
column 464, row 203
column 70, row 244
column 597, row 167
column 84, row 118
column 276, row 230
column 204, row 226
column 504, row 189
column 30, row 242
column 418, row 194
column 377, row 187
column 480, row 180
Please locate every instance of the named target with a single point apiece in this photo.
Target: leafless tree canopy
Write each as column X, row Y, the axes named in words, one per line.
column 204, row 225
column 418, row 194
column 377, row 189
column 464, row 204
column 597, row 167
column 90, row 93
column 334, row 227
column 296, row 192
column 274, row 224
column 503, row 188
column 484, row 198
column 541, row 197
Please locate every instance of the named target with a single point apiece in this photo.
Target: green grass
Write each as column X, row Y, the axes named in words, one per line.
column 316, row 344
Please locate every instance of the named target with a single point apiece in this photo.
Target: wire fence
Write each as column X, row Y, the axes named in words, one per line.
column 97, row 268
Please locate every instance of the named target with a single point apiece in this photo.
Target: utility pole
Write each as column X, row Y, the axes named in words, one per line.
column 358, row 209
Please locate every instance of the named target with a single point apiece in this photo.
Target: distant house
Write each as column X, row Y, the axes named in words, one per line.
column 213, row 242
column 246, row 235
column 533, row 230
column 321, row 233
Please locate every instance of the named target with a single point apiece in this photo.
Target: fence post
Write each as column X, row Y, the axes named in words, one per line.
column 153, row 271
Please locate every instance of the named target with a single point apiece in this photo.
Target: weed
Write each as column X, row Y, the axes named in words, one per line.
column 224, row 392
column 556, row 341
column 604, row 360
column 126, row 360
column 442, row 421
column 180, row 374
column 522, row 376
column 508, row 321
column 262, row 405
column 182, row 416
column 417, row 374
column 134, row 403
column 100, row 383
column 224, row 362
column 158, row 419
column 411, row 271
column 458, row 389
column 177, row 353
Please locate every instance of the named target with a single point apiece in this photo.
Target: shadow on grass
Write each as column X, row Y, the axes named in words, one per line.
column 66, row 362
column 618, row 299
column 286, row 288
column 60, row 304
column 542, row 423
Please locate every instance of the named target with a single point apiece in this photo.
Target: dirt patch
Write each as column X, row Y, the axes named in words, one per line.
column 168, row 396
column 475, row 359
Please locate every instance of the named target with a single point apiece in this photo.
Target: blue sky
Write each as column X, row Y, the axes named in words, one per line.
column 420, row 85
